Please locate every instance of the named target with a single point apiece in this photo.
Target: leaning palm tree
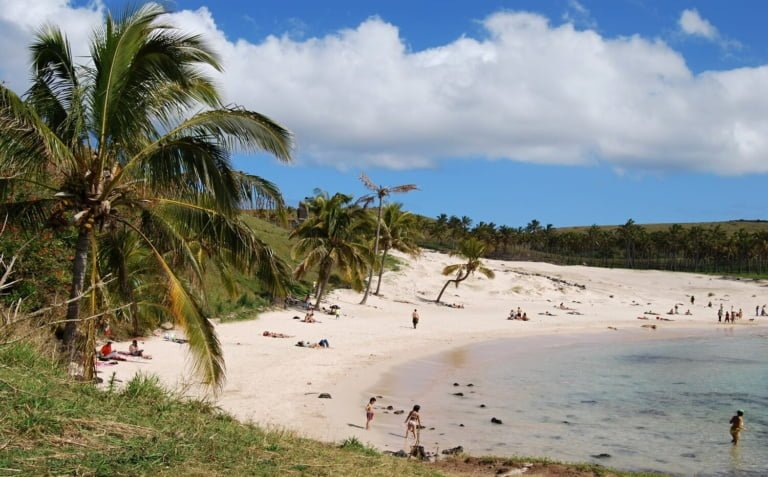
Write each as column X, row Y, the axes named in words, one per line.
column 332, row 238
column 473, row 250
column 399, row 230
column 379, row 192
column 137, row 138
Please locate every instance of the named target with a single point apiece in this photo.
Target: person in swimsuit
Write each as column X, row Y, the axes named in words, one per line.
column 737, row 425
column 369, row 413
column 415, row 317
column 413, row 423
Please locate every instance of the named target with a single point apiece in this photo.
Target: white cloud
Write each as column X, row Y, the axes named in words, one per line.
column 529, row 91
column 692, row 23
column 579, row 15
column 19, row 20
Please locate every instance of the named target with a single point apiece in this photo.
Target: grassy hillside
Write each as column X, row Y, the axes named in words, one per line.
column 249, row 296
column 728, row 227
column 54, row 426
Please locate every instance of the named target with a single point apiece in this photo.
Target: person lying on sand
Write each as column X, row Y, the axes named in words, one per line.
column 273, row 334
column 664, row 319
column 547, row 313
column 653, row 327
column 323, row 343
column 643, row 318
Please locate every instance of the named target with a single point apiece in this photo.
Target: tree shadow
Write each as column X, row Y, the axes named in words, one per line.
column 355, row 426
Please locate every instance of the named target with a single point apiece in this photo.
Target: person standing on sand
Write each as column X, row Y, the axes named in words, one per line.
column 737, row 425
column 415, row 317
column 369, row 413
column 413, row 424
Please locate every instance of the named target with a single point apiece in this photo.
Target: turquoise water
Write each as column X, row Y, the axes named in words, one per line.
column 651, row 404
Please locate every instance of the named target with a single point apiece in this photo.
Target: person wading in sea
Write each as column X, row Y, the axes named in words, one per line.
column 737, row 425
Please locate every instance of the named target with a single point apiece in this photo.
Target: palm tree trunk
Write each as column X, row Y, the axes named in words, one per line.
column 443, row 290
column 375, row 254
column 78, row 281
column 381, row 271
column 456, row 280
column 324, row 276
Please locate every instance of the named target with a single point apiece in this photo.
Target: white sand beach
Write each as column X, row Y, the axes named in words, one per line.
column 272, row 382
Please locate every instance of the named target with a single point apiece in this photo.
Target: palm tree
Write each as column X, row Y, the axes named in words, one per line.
column 400, row 229
column 332, row 238
column 379, row 192
column 137, row 137
column 473, row 250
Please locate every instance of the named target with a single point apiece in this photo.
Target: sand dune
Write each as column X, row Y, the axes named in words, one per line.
column 272, row 382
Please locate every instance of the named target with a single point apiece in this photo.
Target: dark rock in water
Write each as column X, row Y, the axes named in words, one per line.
column 690, row 455
column 496, row 421
column 324, row 396
column 589, row 402
column 470, row 385
column 453, row 450
column 458, row 394
column 601, row 456
column 390, row 408
column 461, row 425
column 482, row 405
column 399, row 411
column 455, row 384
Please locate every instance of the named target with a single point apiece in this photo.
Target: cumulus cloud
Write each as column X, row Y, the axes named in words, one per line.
column 20, row 20
column 692, row 23
column 527, row 90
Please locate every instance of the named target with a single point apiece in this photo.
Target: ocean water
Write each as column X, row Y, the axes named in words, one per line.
column 651, row 401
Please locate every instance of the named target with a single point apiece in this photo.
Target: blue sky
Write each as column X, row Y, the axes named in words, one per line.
column 569, row 112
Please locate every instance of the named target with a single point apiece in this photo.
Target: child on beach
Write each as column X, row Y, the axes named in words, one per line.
column 413, row 423
column 369, row 413
column 737, row 425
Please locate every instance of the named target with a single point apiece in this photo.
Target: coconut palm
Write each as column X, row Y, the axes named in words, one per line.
column 399, row 233
column 379, row 192
column 473, row 250
column 332, row 238
column 137, row 138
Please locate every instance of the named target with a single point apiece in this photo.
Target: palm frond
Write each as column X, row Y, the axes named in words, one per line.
column 27, row 144
column 451, row 269
column 204, row 345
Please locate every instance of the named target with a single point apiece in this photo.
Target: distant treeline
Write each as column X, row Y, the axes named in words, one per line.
column 708, row 248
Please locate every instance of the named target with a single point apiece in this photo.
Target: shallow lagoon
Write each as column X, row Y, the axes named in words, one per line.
column 657, row 401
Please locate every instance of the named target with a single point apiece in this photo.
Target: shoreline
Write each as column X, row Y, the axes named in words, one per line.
column 275, row 384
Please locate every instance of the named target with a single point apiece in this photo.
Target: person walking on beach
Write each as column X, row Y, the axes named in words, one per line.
column 413, row 424
column 415, row 317
column 737, row 425
column 369, row 413
column 720, row 315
